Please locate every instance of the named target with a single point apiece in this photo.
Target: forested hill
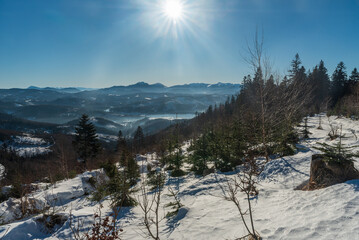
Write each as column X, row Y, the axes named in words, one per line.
column 268, row 108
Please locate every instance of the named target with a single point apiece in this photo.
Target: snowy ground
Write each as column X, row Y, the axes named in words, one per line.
column 279, row 211
column 2, row 170
column 28, row 146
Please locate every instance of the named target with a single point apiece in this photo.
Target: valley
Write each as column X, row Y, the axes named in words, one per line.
column 151, row 106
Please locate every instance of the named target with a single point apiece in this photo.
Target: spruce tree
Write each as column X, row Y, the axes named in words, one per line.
column 200, row 155
column 320, row 85
column 121, row 143
column 296, row 62
column 175, row 157
column 338, row 153
column 339, row 83
column 130, row 167
column 354, row 77
column 138, row 139
column 127, row 160
column 353, row 80
column 86, row 141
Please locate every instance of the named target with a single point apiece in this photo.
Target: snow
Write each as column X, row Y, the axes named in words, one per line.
column 29, row 146
column 280, row 212
column 31, row 151
column 29, row 140
column 107, row 137
column 2, row 171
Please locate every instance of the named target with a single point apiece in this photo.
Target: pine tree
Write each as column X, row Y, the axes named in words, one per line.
column 138, row 139
column 86, row 142
column 127, row 161
column 354, row 76
column 339, row 83
column 130, row 167
column 200, row 155
column 120, row 189
column 121, row 143
column 175, row 157
column 296, row 62
column 353, row 80
column 320, row 85
column 338, row 153
column 305, row 130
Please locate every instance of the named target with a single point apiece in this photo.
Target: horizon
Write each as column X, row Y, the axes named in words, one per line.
column 99, row 44
column 132, row 84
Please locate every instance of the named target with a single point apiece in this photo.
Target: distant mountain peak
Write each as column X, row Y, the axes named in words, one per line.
column 158, row 85
column 33, row 87
column 140, row 84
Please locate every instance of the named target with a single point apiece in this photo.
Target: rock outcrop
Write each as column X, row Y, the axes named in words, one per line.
column 326, row 173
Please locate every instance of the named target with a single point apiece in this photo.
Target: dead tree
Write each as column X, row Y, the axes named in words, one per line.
column 262, row 71
column 150, row 205
column 244, row 181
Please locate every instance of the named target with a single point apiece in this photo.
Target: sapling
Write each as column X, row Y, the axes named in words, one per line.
column 175, row 205
column 245, row 181
column 338, row 153
column 320, row 123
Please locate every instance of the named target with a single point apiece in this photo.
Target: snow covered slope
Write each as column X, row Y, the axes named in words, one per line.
column 280, row 212
column 2, row 171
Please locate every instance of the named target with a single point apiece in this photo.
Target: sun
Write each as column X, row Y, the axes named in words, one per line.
column 173, row 9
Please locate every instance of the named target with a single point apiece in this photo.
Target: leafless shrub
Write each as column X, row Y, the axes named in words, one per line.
column 150, row 205
column 333, row 133
column 51, row 221
column 320, row 127
column 353, row 132
column 105, row 228
column 245, row 182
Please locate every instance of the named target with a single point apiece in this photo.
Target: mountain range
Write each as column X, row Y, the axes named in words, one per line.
column 121, row 107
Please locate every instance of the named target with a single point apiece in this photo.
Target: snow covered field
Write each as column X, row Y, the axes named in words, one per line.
column 2, row 170
column 29, row 146
column 280, row 212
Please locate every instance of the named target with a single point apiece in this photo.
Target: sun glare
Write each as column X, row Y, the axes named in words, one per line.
column 176, row 18
column 173, row 9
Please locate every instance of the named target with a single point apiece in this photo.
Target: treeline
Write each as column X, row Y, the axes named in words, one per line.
column 260, row 120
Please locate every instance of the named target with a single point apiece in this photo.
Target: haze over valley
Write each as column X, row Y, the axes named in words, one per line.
column 152, row 106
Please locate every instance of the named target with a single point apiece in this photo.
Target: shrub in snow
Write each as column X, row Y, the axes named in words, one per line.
column 175, row 205
column 305, row 132
column 177, row 173
column 338, row 153
column 104, row 228
column 334, row 131
column 245, row 182
column 51, row 222
column 156, row 178
column 116, row 184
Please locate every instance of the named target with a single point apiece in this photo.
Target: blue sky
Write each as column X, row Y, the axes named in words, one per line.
column 103, row 43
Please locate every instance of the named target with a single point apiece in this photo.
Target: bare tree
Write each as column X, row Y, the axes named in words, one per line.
column 63, row 159
column 150, row 206
column 245, row 182
column 272, row 107
column 262, row 71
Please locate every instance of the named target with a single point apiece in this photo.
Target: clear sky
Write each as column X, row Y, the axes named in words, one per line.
column 101, row 43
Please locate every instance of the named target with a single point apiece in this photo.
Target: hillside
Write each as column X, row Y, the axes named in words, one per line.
column 152, row 106
column 280, row 212
column 117, row 103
